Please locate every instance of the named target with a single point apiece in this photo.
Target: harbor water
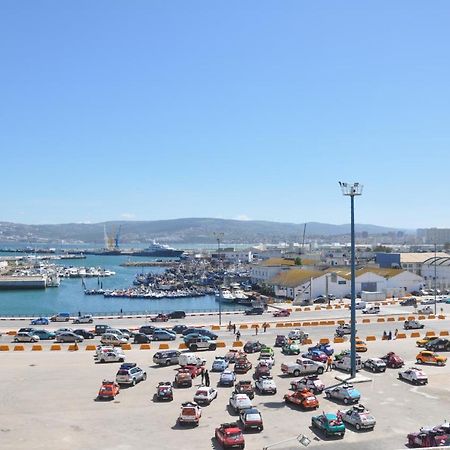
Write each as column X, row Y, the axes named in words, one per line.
column 69, row 296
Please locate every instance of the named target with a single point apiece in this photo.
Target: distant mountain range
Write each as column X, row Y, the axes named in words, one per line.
column 190, row 230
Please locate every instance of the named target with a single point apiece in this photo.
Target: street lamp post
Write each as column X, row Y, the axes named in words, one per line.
column 351, row 190
column 435, row 279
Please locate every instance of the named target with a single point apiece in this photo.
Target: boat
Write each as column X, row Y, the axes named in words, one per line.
column 158, row 250
column 238, row 293
column 225, row 295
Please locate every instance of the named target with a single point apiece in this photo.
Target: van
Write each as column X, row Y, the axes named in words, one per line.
column 186, row 359
column 345, row 364
column 60, row 317
column 101, row 329
column 371, row 310
column 360, row 305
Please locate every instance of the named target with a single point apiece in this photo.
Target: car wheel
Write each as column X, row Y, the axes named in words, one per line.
column 440, row 363
column 133, row 383
column 320, row 370
column 102, row 360
column 296, row 373
column 193, row 348
column 358, row 426
column 212, row 347
column 418, row 361
column 16, row 340
column 327, row 395
column 144, row 377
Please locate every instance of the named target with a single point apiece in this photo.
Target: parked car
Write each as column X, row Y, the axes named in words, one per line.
column 425, row 310
column 60, row 317
column 86, row 334
column 281, row 340
column 101, row 329
column 413, row 375
column 343, row 330
column 113, row 339
column 164, row 392
column 219, row 364
column 262, row 369
column 130, row 373
column 200, row 332
column 26, row 337
column 329, row 424
column 141, row 338
column 238, row 402
column 440, row 344
column 190, row 359
column 361, row 346
column 69, row 337
column 108, row 390
column 163, row 335
column 375, row 364
column 325, row 348
column 316, row 355
column 412, row 325
column 291, row 349
column 113, row 354
column 303, row 367
column 242, row 365
column 282, row 313
column 183, row 378
column 266, row 385
column 44, row 334
column 63, row 330
column 429, row 357
column 428, row 437
column 159, row 318
column 230, row 435
column 393, row 361
column 245, row 387
column 176, row 315
column 233, row 355
column 320, row 299
column 178, row 329
column 311, row 383
column 190, row 414
column 304, row 398
column 147, row 329
column 251, row 419
column 205, row 395
column 359, row 417
column 345, row 393
column 255, row 311
column 87, row 318
column 202, row 343
column 227, row 378
column 252, row 347
column 166, row 357
column 410, row 301
column 298, row 335
column 40, row 321
column 26, row 330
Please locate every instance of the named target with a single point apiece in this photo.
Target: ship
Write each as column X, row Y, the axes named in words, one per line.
column 225, row 295
column 158, row 250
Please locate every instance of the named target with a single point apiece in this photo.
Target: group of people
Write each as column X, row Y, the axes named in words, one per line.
column 388, row 336
column 232, row 327
column 205, row 377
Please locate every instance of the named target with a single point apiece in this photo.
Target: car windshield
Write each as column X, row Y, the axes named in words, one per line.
column 201, row 393
column 310, row 398
column 234, row 435
column 253, row 416
column 122, row 372
column 189, row 411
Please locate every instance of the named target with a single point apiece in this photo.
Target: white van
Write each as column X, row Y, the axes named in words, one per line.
column 371, row 310
column 190, row 359
column 345, row 363
column 360, row 305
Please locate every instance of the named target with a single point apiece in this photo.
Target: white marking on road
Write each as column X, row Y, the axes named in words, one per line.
column 416, row 391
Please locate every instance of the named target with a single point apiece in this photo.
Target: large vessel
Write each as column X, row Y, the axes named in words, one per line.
column 225, row 295
column 158, row 250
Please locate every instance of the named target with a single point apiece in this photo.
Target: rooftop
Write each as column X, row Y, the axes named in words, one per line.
column 295, row 277
column 417, row 258
column 273, row 262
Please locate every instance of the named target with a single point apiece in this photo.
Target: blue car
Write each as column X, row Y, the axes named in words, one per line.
column 345, row 393
column 326, row 348
column 219, row 364
column 227, row 378
column 163, row 335
column 44, row 334
column 40, row 321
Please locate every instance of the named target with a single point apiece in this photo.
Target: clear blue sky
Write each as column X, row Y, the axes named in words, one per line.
column 256, row 109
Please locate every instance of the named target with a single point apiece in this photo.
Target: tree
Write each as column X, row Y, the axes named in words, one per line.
column 298, row 261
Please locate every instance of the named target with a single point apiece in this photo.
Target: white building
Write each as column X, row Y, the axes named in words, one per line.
column 263, row 271
column 439, row 266
column 235, row 256
column 413, row 262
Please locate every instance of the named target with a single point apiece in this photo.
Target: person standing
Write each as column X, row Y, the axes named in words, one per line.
column 265, row 326
column 329, row 363
column 390, row 336
column 206, row 378
column 234, row 328
column 395, row 334
column 238, row 336
column 229, row 326
column 203, row 377
column 256, row 329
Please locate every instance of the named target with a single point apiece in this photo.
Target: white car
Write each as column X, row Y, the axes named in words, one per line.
column 113, row 339
column 63, row 330
column 266, row 385
column 109, row 354
column 269, row 360
column 238, row 402
column 359, row 417
column 87, row 318
column 26, row 337
column 413, row 325
column 427, row 301
column 413, row 375
column 205, row 395
column 425, row 310
column 303, row 366
column 297, row 335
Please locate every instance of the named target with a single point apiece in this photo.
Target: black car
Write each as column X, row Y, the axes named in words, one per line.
column 176, row 315
column 280, row 340
column 252, row 347
column 411, row 301
column 442, row 345
column 101, row 329
column 141, row 338
column 147, row 329
column 179, row 329
column 255, row 311
column 85, row 333
column 26, row 330
column 320, row 299
column 201, row 331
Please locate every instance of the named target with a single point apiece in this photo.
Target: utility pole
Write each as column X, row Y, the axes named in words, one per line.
column 435, row 279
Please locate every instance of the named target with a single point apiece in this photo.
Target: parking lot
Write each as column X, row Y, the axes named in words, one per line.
column 48, row 399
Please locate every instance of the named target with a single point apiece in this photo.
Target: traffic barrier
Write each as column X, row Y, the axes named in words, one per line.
column 340, row 322
column 126, row 346
column 243, row 327
column 401, row 336
column 238, row 344
column 296, row 324
column 307, row 309
column 371, row 338
column 73, row 347
column 288, row 324
column 324, row 341
column 314, row 324
column 55, row 347
column 380, row 319
column 415, row 334
column 90, row 347
column 329, row 307
column 307, row 341
column 19, row 348
column 337, row 306
column 366, row 321
column 4, row 348
column 430, row 333
column 421, row 318
column 267, row 325
column 36, row 348
column 254, row 325
column 331, row 322
column 11, row 333
column 412, row 317
column 164, row 346
column 323, row 322
column 298, row 309
column 391, row 319
column 443, row 333
column 401, row 319
column 280, row 325
column 338, row 340
column 432, row 316
column 441, row 316
column 220, row 344
column 317, row 308
column 215, row 327
column 306, row 324
column 148, row 347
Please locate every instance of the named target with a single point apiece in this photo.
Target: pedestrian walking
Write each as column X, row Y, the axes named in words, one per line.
column 384, row 335
column 238, row 336
column 265, row 326
column 256, row 329
column 390, row 336
column 203, row 377
column 206, row 378
column 234, row 328
column 329, row 363
column 395, row 334
column 79, row 313
column 121, row 312
column 230, row 327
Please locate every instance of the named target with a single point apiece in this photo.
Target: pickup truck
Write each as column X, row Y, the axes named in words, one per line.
column 303, row 366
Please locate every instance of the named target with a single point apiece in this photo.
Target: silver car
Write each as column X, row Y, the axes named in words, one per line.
column 113, row 339
column 69, row 337
column 359, row 417
column 26, row 337
column 129, row 373
column 346, row 393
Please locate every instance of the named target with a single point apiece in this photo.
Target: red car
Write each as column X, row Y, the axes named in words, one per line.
column 195, row 371
column 183, row 378
column 393, row 361
column 262, row 369
column 304, row 398
column 435, row 437
column 242, row 365
column 160, row 318
column 282, row 313
column 108, row 390
column 229, row 435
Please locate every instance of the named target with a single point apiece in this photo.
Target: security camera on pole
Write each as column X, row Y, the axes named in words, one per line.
column 351, row 190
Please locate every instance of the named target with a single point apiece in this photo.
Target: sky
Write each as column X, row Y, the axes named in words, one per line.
column 156, row 109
